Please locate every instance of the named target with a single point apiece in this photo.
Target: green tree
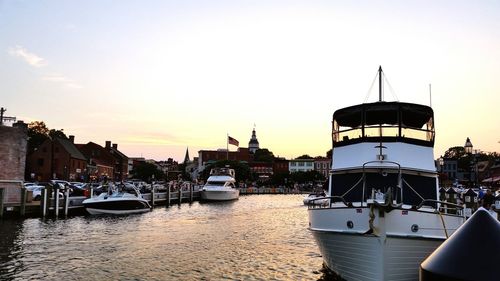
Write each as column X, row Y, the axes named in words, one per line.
column 263, row 155
column 37, row 134
column 145, row 172
column 305, row 156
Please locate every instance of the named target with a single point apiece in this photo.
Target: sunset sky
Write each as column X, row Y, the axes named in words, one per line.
column 159, row 76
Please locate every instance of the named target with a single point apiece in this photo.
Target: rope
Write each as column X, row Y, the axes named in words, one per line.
column 413, row 189
column 444, row 226
column 390, row 88
column 371, row 87
column 352, row 187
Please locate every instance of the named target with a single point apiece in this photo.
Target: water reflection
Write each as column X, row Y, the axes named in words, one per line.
column 261, row 237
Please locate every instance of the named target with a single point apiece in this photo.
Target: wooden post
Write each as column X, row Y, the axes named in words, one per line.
column 1, row 202
column 43, row 202
column 56, row 198
column 153, row 196
column 191, row 187
column 22, row 210
column 167, row 202
column 180, row 194
column 66, row 202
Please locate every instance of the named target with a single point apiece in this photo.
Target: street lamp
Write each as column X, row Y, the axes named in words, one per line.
column 441, row 163
column 468, row 149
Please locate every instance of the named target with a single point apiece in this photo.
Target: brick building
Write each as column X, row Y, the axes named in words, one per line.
column 56, row 159
column 13, row 146
column 120, row 168
column 101, row 162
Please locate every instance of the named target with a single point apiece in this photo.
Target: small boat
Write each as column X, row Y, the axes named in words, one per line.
column 220, row 186
column 316, row 199
column 384, row 216
column 117, row 202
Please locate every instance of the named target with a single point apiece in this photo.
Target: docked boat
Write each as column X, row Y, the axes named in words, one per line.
column 220, row 186
column 117, row 202
column 316, row 198
column 384, row 216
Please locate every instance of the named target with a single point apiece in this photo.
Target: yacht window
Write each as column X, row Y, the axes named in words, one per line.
column 218, row 183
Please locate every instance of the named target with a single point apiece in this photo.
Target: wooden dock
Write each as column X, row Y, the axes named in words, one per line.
column 67, row 205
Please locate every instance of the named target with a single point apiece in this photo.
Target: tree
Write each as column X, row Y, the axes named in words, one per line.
column 37, row 134
column 305, row 156
column 263, row 155
column 145, row 172
column 329, row 154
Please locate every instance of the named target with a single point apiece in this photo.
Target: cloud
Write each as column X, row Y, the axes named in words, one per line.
column 30, row 58
column 58, row 78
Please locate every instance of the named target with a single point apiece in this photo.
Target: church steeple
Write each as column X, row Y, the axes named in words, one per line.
column 253, row 144
column 186, row 158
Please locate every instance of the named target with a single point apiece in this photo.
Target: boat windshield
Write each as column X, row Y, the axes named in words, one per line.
column 391, row 121
column 216, row 183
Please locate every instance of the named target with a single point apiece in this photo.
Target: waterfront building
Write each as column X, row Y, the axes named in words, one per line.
column 13, row 146
column 263, row 170
column 101, row 163
column 253, row 144
column 120, row 168
column 57, row 158
column 210, row 156
column 322, row 165
column 301, row 165
column 280, row 165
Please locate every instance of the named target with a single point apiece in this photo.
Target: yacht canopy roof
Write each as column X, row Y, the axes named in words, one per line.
column 410, row 115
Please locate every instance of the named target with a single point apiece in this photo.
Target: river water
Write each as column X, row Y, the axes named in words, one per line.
column 258, row 237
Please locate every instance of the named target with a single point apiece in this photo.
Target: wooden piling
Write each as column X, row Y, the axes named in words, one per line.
column 1, row 202
column 43, row 202
column 56, row 199
column 22, row 208
column 66, row 202
column 191, row 187
column 153, row 196
column 167, row 202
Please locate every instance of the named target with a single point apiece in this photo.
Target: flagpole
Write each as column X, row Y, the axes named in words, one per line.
column 227, row 147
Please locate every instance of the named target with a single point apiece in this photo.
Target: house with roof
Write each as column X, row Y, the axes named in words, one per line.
column 120, row 168
column 101, row 162
column 57, row 158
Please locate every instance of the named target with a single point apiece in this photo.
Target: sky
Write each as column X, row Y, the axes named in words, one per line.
column 157, row 77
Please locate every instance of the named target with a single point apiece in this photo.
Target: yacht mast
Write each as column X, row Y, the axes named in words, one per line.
column 380, row 97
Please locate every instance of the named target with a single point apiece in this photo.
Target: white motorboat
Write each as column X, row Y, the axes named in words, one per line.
column 117, row 202
column 316, row 198
column 220, row 186
column 383, row 217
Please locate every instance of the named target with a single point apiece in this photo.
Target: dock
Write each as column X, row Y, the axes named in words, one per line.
column 16, row 201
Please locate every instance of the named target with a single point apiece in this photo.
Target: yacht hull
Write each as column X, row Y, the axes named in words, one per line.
column 370, row 257
column 374, row 244
column 219, row 195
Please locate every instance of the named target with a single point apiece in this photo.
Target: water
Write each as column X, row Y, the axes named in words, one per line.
column 258, row 237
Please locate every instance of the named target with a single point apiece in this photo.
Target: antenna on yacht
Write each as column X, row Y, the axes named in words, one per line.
column 380, row 91
column 430, row 95
column 380, row 98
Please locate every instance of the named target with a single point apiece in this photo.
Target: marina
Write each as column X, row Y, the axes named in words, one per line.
column 262, row 237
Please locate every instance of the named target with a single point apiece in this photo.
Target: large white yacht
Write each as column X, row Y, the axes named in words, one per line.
column 384, row 217
column 220, row 186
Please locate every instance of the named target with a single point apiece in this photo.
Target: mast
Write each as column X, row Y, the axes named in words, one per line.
column 380, row 97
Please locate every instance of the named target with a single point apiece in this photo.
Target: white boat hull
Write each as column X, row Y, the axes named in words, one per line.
column 93, row 211
column 219, row 195
column 393, row 251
